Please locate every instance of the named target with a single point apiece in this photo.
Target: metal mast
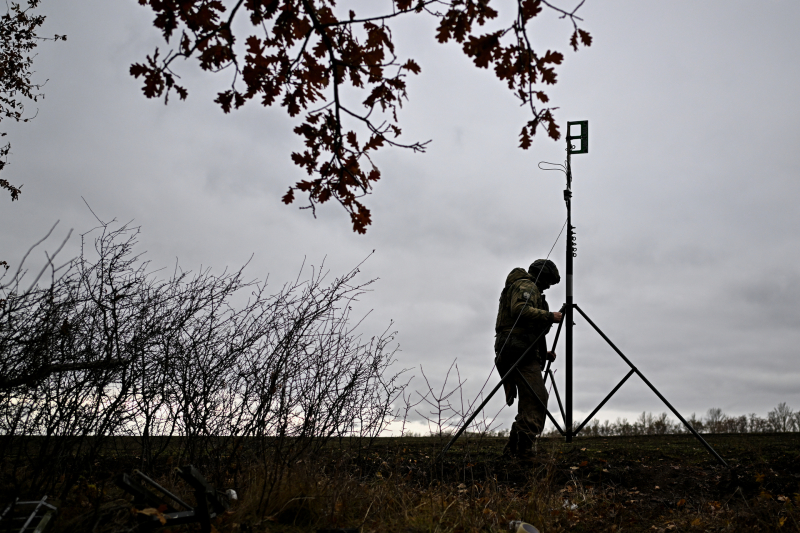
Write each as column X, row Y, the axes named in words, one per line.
column 568, row 311
column 572, row 251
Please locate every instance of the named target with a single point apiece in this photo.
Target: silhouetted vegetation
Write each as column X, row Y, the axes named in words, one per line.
column 19, row 37
column 337, row 63
column 107, row 366
column 197, row 367
column 779, row 420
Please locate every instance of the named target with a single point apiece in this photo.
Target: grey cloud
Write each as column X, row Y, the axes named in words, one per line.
column 685, row 205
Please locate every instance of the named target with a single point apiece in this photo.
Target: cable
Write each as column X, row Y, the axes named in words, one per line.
column 483, row 387
column 534, row 282
column 561, row 168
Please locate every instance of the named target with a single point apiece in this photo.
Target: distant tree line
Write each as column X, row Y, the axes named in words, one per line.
column 779, row 420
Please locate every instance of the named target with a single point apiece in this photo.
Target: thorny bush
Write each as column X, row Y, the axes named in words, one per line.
column 108, row 352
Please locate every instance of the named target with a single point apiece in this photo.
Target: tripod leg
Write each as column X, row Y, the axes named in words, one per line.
column 547, row 372
column 483, row 404
column 473, row 415
column 558, row 396
column 558, row 329
column 553, row 349
column 652, row 387
column 608, row 397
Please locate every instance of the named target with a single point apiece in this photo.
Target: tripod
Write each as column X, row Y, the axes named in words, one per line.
column 569, row 431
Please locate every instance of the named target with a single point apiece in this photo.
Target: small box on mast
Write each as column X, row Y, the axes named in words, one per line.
column 583, row 135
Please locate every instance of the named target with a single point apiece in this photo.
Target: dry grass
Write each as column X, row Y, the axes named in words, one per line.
column 658, row 484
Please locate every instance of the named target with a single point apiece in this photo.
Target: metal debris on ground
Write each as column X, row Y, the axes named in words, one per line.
column 518, row 526
column 28, row 516
column 164, row 510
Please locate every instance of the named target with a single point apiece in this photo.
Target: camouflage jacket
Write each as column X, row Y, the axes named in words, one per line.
column 522, row 298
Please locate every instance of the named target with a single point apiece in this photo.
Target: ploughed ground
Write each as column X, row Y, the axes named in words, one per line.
column 643, row 483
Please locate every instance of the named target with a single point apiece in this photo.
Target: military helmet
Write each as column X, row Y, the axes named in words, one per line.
column 544, row 270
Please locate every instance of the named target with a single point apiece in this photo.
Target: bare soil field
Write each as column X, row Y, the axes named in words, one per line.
column 644, row 483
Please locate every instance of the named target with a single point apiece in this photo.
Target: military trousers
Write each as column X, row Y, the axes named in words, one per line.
column 531, row 412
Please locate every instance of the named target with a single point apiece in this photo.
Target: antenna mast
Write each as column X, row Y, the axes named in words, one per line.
column 572, row 252
column 570, row 306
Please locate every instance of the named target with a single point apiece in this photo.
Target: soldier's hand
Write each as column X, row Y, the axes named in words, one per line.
column 551, row 356
column 557, row 317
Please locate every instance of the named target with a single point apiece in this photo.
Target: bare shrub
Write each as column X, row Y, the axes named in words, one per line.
column 781, row 418
column 108, row 349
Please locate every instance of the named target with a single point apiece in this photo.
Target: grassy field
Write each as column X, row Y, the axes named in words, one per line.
column 646, row 483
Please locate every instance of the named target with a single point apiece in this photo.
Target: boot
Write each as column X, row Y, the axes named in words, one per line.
column 510, row 449
column 524, row 446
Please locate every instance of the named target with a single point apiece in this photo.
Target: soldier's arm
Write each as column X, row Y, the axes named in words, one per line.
column 524, row 302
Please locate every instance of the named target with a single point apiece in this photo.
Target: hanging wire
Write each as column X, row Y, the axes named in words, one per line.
column 560, row 167
column 517, row 319
column 564, row 168
column 534, row 281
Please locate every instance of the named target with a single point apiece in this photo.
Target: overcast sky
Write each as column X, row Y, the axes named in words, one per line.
column 685, row 207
